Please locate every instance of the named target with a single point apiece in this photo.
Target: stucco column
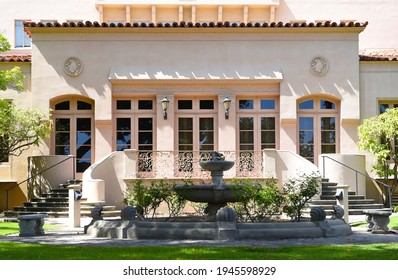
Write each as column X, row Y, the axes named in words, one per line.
column 165, row 138
column 227, row 131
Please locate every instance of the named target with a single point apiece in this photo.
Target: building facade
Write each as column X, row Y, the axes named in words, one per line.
column 168, row 81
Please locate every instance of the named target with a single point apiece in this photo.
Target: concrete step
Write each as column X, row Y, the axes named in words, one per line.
column 333, row 201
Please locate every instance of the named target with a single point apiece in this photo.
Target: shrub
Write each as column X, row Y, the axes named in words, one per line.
column 147, row 199
column 257, row 202
column 298, row 191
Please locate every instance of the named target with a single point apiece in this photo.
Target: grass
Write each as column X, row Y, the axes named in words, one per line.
column 19, row 251
column 12, row 227
column 22, row 251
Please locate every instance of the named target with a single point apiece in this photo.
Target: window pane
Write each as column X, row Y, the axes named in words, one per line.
column 62, row 150
column 206, row 104
column 21, row 38
column 206, row 124
column 123, row 124
column 62, row 138
column 306, row 123
column 206, row 134
column 83, row 124
column 246, row 137
column 246, row 123
column 328, row 123
column 81, row 105
column 83, row 138
column 309, row 104
column 306, row 137
column 327, row 105
column 65, row 105
column 83, row 152
column 145, row 104
column 123, row 104
column 185, row 123
column 268, row 104
column 328, row 137
column 184, row 104
column 145, row 124
column 62, row 124
column 268, row 123
column 307, row 151
column 123, row 138
column 383, row 108
column 328, row 149
column 246, row 104
column 267, row 137
column 145, row 138
column 185, row 138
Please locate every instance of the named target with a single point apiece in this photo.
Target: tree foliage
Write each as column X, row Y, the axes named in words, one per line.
column 20, row 129
column 10, row 78
column 378, row 136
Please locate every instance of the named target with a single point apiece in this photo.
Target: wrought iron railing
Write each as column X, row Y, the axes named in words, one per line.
column 185, row 164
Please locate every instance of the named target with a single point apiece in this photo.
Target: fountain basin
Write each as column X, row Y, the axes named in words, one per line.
column 216, row 165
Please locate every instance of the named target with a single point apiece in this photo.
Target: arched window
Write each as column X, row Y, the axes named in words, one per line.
column 317, row 127
column 73, row 130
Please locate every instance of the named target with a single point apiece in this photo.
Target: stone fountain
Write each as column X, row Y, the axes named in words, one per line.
column 221, row 221
column 217, row 194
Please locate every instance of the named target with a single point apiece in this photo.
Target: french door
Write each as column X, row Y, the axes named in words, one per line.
column 73, row 136
column 196, row 138
column 317, row 135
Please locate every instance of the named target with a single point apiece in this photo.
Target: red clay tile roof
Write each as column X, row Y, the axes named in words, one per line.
column 379, row 55
column 15, row 57
column 198, row 25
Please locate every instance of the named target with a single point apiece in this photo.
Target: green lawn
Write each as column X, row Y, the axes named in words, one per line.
column 12, row 227
column 19, row 251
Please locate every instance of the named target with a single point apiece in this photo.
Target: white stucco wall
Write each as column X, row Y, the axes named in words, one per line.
column 247, row 54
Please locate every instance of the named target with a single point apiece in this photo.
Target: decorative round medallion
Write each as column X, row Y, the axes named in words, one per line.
column 73, row 66
column 319, row 66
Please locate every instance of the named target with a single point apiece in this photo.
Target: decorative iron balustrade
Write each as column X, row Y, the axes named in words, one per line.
column 185, row 164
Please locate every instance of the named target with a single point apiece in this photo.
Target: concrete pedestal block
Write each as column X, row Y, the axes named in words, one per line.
column 31, row 225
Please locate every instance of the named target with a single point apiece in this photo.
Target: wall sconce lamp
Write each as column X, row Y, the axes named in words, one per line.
column 165, row 104
column 227, row 105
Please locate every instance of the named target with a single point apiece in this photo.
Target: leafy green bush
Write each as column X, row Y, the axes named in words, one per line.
column 298, row 191
column 148, row 199
column 257, row 202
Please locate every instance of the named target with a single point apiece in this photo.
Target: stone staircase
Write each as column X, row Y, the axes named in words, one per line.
column 356, row 203
column 56, row 205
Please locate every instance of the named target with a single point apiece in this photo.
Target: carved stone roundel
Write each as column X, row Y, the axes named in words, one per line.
column 319, row 66
column 73, row 66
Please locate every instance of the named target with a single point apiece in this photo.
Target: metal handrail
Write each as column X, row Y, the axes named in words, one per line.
column 356, row 174
column 37, row 174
